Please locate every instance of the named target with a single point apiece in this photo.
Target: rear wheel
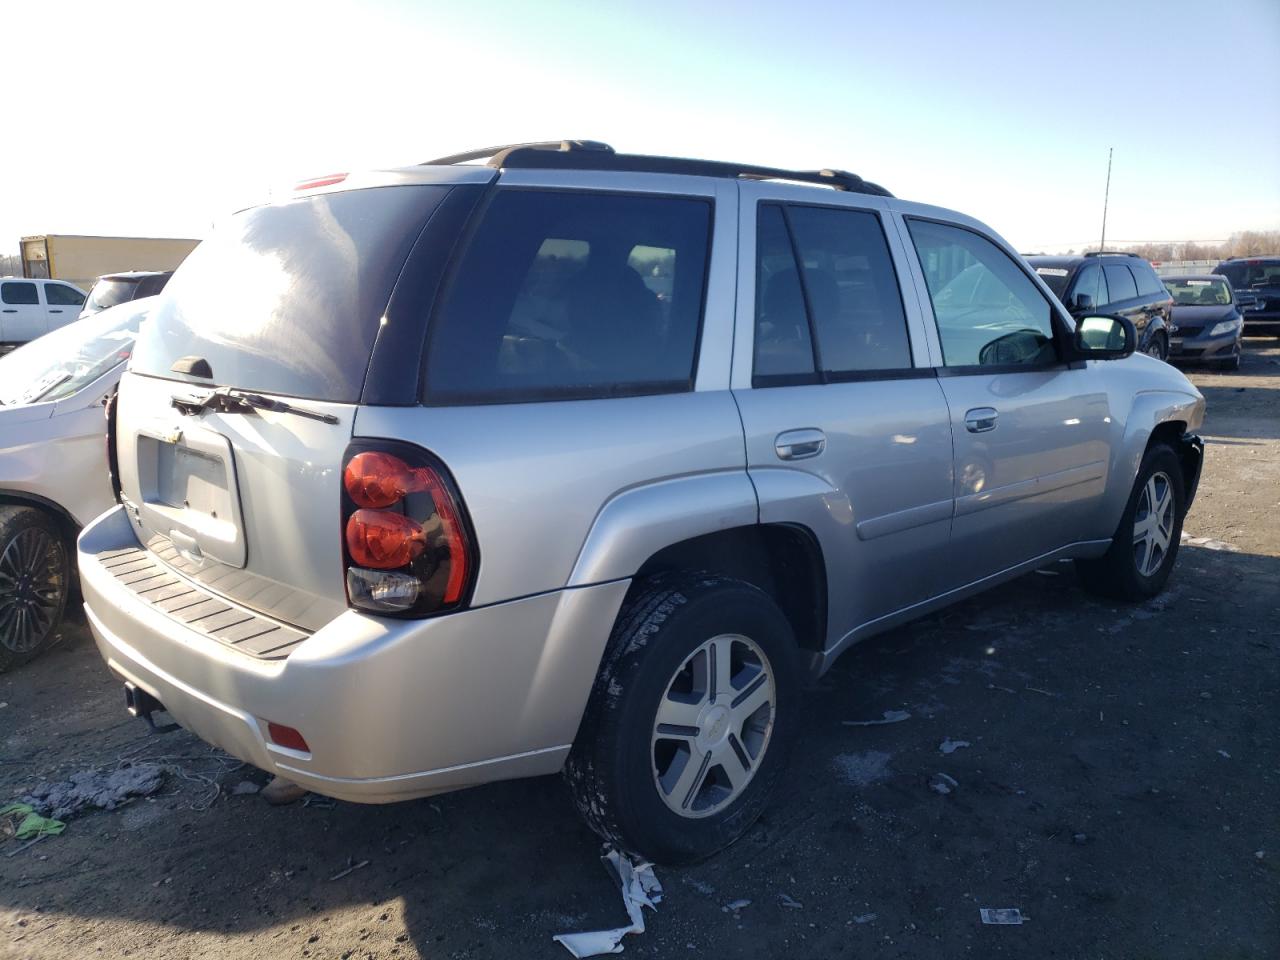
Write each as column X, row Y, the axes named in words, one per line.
column 690, row 721
column 34, row 583
column 1145, row 545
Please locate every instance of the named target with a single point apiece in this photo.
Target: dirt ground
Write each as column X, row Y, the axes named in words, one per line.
column 1120, row 785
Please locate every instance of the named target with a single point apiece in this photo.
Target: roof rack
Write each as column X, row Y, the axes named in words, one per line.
column 1110, row 253
column 594, row 155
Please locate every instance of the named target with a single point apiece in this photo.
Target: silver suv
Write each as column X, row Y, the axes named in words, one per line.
column 586, row 462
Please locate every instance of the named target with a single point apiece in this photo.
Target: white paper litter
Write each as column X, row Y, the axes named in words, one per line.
column 1000, row 915
column 890, row 716
column 639, row 887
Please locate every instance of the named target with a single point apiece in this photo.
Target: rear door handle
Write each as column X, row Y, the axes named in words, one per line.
column 981, row 419
column 54, row 311
column 799, row 444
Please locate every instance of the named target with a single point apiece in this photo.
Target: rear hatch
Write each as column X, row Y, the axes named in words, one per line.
column 283, row 306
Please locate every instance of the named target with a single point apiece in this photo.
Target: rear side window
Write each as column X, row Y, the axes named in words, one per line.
column 1148, row 282
column 570, row 295
column 107, row 293
column 60, row 295
column 847, row 287
column 1120, row 282
column 19, row 293
column 287, row 298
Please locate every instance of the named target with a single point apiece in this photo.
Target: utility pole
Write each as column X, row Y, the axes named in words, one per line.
column 1105, row 198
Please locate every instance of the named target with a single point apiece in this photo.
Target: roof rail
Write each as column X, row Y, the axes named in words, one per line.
column 499, row 153
column 1110, row 253
column 593, row 155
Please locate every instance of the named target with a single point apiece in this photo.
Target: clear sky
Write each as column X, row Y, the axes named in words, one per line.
column 155, row 119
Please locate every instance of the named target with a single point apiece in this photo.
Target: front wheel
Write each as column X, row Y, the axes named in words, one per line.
column 690, row 720
column 1158, row 348
column 34, row 582
column 1145, row 545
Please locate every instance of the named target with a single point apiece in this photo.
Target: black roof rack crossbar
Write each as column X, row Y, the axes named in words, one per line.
column 495, row 153
column 593, row 155
column 1110, row 253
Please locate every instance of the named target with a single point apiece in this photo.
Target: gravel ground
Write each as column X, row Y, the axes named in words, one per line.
column 1113, row 773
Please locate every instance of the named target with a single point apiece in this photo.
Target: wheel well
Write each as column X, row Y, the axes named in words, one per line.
column 66, row 526
column 783, row 560
column 1170, row 435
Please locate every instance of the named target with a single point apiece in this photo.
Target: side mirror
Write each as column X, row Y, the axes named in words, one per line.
column 1102, row 337
column 1081, row 303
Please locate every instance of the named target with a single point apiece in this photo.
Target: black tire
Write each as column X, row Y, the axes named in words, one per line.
column 35, row 581
column 612, row 770
column 1117, row 573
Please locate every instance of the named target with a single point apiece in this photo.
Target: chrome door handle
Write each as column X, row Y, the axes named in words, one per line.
column 799, row 444
column 981, row 419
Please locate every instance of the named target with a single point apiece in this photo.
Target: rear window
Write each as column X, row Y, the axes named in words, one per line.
column 571, row 295
column 287, row 298
column 110, row 293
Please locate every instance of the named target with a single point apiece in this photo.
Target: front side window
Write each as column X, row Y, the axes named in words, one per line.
column 840, row 311
column 19, row 294
column 988, row 312
column 568, row 295
column 1089, row 284
column 1120, row 282
column 60, row 295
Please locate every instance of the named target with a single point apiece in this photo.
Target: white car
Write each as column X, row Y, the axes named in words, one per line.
column 30, row 308
column 54, row 476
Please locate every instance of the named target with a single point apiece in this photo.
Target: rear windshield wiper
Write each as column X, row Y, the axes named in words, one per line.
column 231, row 400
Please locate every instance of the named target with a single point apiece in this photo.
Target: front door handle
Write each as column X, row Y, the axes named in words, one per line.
column 51, row 310
column 981, row 419
column 799, row 444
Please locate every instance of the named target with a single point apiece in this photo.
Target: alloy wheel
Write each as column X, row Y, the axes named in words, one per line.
column 713, row 725
column 31, row 587
column 1153, row 524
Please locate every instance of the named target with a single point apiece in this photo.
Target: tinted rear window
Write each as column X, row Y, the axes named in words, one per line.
column 110, row 293
column 563, row 295
column 287, row 298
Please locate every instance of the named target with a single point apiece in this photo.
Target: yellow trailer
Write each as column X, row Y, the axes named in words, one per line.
column 81, row 260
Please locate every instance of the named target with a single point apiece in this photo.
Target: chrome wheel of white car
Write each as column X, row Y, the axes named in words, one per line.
column 1153, row 524
column 712, row 726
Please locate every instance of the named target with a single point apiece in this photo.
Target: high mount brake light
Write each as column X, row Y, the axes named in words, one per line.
column 409, row 547
column 327, row 180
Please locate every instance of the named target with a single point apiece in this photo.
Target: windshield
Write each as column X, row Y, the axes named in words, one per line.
column 1198, row 291
column 109, row 293
column 1056, row 278
column 60, row 363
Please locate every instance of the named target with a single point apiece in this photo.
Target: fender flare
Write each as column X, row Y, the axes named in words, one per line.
column 1149, row 410
column 636, row 523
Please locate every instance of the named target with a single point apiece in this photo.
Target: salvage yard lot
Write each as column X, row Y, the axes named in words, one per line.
column 1117, row 783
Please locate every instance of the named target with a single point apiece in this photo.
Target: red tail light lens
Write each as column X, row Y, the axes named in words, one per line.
column 383, row 540
column 287, row 737
column 409, row 546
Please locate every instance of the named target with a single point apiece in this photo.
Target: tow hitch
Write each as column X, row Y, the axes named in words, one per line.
column 142, row 704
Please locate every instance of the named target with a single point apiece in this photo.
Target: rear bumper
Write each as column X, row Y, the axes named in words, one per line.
column 391, row 709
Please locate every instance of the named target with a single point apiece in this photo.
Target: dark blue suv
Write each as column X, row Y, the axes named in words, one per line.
column 1256, row 282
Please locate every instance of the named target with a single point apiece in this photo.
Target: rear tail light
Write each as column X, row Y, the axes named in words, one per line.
column 408, row 545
